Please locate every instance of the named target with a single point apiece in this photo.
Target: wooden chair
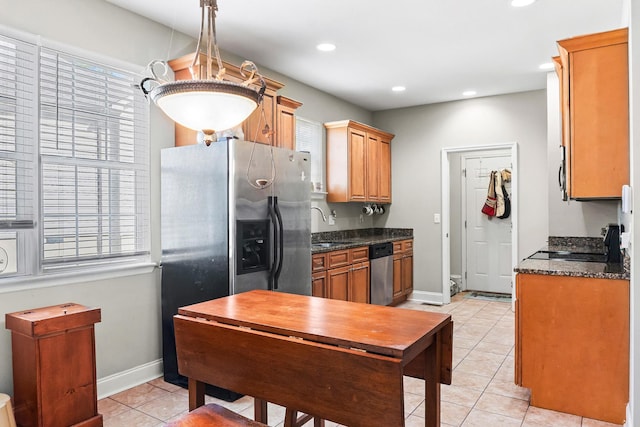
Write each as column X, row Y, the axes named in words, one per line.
column 215, row 416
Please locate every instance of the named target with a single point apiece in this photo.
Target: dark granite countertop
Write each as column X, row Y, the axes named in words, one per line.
column 360, row 237
column 596, row 270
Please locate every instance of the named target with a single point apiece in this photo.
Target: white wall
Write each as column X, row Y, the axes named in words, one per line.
column 570, row 218
column 129, row 336
column 422, row 132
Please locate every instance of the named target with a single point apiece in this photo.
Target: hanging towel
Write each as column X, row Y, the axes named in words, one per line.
column 489, row 207
column 499, row 194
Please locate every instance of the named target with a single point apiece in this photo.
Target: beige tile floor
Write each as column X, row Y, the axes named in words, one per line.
column 482, row 393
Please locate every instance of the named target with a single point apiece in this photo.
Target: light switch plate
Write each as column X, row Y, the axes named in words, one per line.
column 436, row 218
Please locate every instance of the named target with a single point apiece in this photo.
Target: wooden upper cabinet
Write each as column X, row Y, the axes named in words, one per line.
column 594, row 84
column 358, row 163
column 286, row 122
column 273, row 122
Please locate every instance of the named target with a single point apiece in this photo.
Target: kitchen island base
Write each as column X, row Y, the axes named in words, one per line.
column 572, row 344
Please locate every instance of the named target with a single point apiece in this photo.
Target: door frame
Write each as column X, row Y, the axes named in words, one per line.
column 446, row 214
column 463, row 190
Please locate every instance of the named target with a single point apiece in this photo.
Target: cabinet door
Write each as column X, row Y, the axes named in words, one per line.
column 254, row 127
column 318, row 284
column 372, row 167
column 68, row 395
column 599, row 122
column 397, row 275
column 359, row 283
column 286, row 127
column 384, row 171
column 357, row 165
column 407, row 273
column 338, row 283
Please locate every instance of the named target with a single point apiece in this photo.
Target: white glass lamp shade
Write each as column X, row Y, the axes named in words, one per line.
column 205, row 105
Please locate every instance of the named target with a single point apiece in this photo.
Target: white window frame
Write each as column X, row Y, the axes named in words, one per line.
column 309, row 139
column 28, row 245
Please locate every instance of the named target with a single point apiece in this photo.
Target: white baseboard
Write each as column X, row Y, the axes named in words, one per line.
column 130, row 378
column 434, row 298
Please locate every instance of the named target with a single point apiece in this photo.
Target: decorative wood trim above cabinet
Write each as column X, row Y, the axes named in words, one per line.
column 277, row 112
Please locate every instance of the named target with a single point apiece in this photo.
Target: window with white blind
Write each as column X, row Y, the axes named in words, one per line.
column 309, row 139
column 86, row 126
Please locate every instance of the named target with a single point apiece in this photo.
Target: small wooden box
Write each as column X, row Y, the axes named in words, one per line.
column 54, row 369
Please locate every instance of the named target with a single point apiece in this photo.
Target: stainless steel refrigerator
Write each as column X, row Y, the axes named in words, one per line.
column 235, row 217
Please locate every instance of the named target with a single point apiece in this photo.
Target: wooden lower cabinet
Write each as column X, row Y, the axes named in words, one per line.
column 54, row 369
column 359, row 286
column 572, row 344
column 338, row 283
column 402, row 270
column 347, row 275
column 318, row 284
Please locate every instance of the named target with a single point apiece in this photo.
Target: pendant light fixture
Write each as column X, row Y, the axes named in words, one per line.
column 207, row 103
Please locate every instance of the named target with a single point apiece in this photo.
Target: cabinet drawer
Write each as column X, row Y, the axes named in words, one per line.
column 319, row 262
column 397, row 247
column 338, row 258
column 360, row 254
column 407, row 245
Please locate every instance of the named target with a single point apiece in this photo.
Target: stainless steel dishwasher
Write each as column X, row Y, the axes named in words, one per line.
column 381, row 263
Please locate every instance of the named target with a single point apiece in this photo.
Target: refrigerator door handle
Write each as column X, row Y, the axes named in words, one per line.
column 274, row 220
column 279, row 243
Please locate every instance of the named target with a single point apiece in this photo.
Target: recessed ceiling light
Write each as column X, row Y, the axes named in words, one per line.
column 398, row 88
column 546, row 66
column 521, row 3
column 326, row 47
column 469, row 93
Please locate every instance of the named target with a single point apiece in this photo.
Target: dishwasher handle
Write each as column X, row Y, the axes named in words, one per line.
column 380, row 250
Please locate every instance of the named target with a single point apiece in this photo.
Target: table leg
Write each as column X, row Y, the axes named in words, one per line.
column 260, row 410
column 432, row 385
column 196, row 394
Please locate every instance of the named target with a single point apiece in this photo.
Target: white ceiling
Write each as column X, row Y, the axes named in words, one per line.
column 435, row 48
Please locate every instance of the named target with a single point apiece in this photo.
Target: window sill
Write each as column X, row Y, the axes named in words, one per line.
column 24, row 283
column 318, row 194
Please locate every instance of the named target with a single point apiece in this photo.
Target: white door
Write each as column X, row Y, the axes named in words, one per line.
column 488, row 239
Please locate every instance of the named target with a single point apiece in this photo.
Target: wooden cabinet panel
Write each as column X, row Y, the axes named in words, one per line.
column 357, row 166
column 372, row 168
column 360, row 254
column 358, row 163
column 286, row 122
column 338, row 258
column 572, row 347
column 260, row 126
column 407, row 274
column 595, row 113
column 397, row 276
column 318, row 262
column 359, row 289
column 319, row 284
column 338, row 283
column 384, row 171
column 402, row 270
